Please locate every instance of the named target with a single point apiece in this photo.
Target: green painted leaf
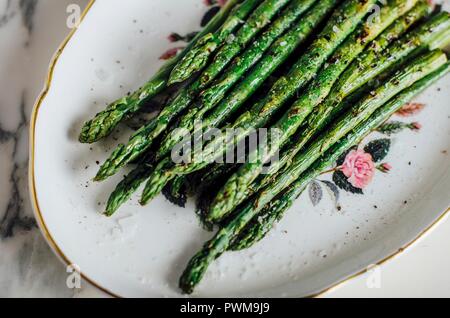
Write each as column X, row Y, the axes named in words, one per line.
column 341, row 181
column 379, row 149
column 392, row 127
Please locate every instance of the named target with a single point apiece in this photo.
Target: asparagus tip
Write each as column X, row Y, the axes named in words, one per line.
column 174, row 79
column 147, row 197
column 186, row 288
column 86, row 138
column 179, row 199
column 99, row 178
column 82, row 139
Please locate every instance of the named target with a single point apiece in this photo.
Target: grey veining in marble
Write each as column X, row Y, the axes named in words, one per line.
column 30, row 31
column 14, row 217
column 27, row 8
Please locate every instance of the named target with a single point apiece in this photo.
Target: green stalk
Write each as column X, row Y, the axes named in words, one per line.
column 124, row 190
column 335, row 102
column 233, row 192
column 391, row 56
column 176, row 191
column 276, row 56
column 200, row 54
column 213, row 249
column 342, row 23
column 348, row 83
column 412, row 73
column 217, row 91
column 104, row 122
column 144, row 138
column 240, row 65
column 417, row 40
column 442, row 41
column 273, row 212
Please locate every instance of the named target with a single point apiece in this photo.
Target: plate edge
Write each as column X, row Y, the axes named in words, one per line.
column 31, row 166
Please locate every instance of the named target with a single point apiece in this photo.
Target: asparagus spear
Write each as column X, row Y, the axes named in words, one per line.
column 333, row 103
column 145, row 136
column 176, row 191
column 273, row 212
column 363, row 111
column 348, row 82
column 342, row 23
column 209, row 183
column 291, row 149
column 239, row 67
column 318, row 90
column 443, row 41
column 105, row 122
column 126, row 188
column 394, row 54
column 217, row 91
column 420, row 37
column 276, row 56
column 199, row 55
column 417, row 40
column 413, row 72
column 392, row 34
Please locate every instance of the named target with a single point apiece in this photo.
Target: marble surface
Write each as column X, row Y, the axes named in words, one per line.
column 30, row 31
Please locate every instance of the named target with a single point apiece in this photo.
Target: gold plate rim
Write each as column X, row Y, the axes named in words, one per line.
column 31, row 171
column 58, row 251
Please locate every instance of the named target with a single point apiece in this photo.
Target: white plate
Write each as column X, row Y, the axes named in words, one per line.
column 142, row 251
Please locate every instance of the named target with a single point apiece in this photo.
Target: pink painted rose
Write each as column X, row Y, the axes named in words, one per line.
column 359, row 168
